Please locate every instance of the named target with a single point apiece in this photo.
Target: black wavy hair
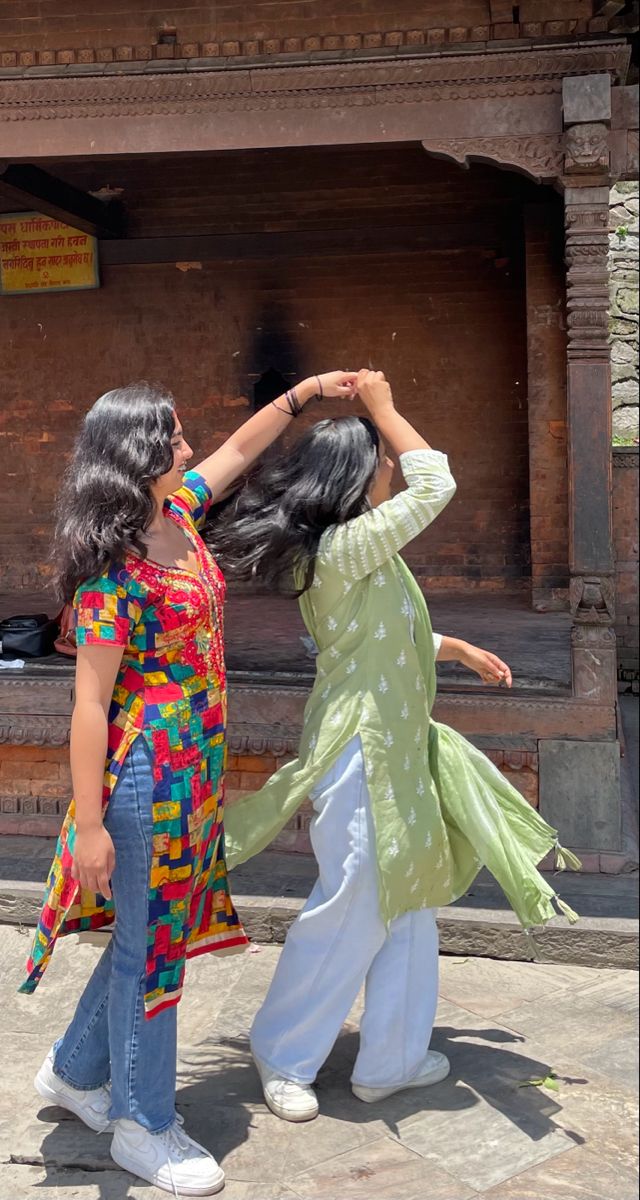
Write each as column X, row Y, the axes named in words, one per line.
column 105, row 501
column 270, row 533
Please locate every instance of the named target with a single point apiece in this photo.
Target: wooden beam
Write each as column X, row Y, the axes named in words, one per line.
column 608, row 8
column 34, row 188
column 300, row 243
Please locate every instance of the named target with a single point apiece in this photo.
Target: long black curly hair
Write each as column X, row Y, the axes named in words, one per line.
column 105, row 501
column 269, row 533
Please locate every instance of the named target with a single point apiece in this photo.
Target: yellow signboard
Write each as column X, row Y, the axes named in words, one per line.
column 40, row 254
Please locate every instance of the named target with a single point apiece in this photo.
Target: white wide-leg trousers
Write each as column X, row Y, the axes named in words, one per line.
column 339, row 942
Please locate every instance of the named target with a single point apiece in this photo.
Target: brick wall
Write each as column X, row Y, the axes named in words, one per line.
column 448, row 329
column 67, row 31
column 625, row 534
column 35, row 787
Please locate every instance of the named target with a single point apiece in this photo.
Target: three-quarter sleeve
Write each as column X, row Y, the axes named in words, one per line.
column 361, row 545
column 194, row 498
column 106, row 613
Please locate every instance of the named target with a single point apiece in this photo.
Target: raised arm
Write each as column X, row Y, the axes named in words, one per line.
column 244, row 446
column 361, row 546
column 397, row 432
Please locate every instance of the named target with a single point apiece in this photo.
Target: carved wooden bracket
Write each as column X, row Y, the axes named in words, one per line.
column 592, row 600
column 541, row 157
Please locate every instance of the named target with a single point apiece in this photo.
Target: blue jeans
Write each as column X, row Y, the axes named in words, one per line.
column 109, row 1037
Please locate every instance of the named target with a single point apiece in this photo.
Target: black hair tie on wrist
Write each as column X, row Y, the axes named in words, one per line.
column 291, row 396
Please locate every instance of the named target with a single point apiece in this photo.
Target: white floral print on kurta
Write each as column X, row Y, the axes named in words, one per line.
column 362, row 575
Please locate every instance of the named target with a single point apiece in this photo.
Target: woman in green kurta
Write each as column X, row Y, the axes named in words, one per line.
column 406, row 810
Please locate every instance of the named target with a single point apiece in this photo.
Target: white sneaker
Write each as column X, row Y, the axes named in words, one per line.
column 91, row 1106
column 289, row 1100
column 170, row 1160
column 434, row 1069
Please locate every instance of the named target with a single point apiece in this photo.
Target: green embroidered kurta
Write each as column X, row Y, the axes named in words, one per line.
column 440, row 808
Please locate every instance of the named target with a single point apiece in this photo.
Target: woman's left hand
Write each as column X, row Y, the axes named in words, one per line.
column 336, row 383
column 489, row 667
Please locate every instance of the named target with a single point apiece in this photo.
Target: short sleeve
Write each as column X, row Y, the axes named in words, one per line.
column 194, row 498
column 106, row 614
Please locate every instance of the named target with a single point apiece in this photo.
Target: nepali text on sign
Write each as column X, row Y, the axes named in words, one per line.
column 40, row 254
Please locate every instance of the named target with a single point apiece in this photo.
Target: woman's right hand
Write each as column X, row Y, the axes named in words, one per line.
column 94, row 859
column 374, row 391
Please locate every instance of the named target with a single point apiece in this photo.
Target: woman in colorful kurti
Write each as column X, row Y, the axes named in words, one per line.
column 405, row 810
column 143, row 838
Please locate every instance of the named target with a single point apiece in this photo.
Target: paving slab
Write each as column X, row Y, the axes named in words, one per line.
column 486, row 1133
column 578, row 1175
column 380, row 1170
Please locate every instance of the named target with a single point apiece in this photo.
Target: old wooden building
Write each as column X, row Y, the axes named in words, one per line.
column 293, row 187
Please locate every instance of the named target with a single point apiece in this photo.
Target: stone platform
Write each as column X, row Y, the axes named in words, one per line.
column 270, row 890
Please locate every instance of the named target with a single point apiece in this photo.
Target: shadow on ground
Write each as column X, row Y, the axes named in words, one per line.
column 220, row 1098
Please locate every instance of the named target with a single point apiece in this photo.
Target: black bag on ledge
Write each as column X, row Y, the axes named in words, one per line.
column 27, row 636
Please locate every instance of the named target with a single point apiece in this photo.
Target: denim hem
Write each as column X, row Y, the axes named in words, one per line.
column 137, row 1121
column 80, row 1087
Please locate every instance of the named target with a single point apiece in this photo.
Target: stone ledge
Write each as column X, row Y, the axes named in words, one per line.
column 270, row 891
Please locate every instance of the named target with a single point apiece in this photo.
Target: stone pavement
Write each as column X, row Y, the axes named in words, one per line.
column 480, row 1135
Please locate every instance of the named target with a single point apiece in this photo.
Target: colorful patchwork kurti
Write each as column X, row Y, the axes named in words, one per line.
column 170, row 689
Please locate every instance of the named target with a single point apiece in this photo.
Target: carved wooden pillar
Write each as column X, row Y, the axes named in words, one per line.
column 593, row 645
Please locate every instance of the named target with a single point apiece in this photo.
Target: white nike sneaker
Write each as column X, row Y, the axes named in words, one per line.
column 170, row 1160
column 289, row 1100
column 91, row 1106
column 434, row 1069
